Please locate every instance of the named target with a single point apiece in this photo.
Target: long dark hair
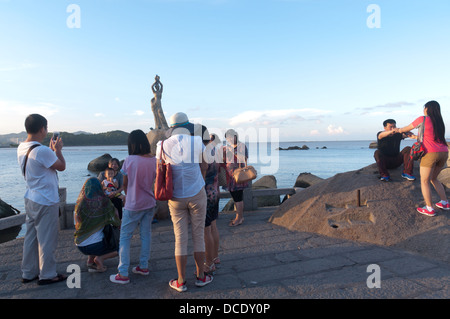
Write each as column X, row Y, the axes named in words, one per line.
column 434, row 112
column 138, row 143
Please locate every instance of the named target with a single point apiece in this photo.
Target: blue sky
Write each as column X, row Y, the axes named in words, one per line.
column 313, row 69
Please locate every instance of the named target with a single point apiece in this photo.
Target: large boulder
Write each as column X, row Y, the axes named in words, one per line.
column 305, row 180
column 99, row 164
column 386, row 214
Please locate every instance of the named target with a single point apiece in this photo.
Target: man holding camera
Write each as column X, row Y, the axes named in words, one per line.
column 39, row 165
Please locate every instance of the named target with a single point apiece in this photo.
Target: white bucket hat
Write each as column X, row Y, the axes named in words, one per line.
column 178, row 119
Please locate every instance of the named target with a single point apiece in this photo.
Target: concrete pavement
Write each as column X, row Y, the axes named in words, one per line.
column 260, row 261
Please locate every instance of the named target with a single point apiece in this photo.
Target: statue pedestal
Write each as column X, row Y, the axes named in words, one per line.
column 154, row 136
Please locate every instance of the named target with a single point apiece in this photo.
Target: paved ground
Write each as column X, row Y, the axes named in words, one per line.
column 260, row 261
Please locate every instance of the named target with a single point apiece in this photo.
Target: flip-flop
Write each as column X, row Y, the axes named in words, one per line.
column 96, row 269
column 58, row 278
column 233, row 224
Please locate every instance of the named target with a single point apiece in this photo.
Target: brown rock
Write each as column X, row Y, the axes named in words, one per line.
column 386, row 216
column 99, row 164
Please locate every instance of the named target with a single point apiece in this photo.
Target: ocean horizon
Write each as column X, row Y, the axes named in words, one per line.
column 322, row 158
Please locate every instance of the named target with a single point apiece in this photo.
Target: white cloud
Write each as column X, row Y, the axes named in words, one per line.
column 99, row 115
column 138, row 113
column 13, row 114
column 275, row 117
column 24, row 109
column 332, row 130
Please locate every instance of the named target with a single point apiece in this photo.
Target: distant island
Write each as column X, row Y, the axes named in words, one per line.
column 72, row 139
column 304, row 147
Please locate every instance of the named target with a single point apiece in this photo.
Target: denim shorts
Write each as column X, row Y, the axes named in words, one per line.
column 97, row 249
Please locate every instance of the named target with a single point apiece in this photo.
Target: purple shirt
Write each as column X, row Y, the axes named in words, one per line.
column 141, row 173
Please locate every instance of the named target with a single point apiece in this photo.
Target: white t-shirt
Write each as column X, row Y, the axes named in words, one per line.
column 93, row 239
column 41, row 180
column 184, row 152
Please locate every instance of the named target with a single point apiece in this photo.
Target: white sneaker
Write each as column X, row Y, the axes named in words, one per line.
column 140, row 271
column 119, row 280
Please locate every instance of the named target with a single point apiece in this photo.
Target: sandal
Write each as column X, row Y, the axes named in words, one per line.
column 234, row 223
column 58, row 278
column 94, row 268
column 216, row 262
column 209, row 270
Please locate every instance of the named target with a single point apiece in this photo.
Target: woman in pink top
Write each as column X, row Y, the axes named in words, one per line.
column 139, row 171
column 435, row 158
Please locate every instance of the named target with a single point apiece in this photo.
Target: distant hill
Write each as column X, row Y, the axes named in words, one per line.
column 72, row 139
column 12, row 139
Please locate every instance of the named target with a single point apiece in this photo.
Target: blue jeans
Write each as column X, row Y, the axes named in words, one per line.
column 130, row 221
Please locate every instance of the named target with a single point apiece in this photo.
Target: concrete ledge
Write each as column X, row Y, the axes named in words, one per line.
column 66, row 210
column 12, row 221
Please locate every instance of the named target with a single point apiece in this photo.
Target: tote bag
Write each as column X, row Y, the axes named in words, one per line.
column 163, row 182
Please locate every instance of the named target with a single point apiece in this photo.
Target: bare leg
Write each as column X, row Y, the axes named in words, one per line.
column 215, row 236
column 425, row 177
column 438, row 185
column 199, row 258
column 239, row 214
column 181, row 268
column 209, row 246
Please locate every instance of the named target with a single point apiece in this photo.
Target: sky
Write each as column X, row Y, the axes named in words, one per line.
column 299, row 70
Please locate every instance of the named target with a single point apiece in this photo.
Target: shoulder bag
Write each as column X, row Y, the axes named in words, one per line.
column 26, row 158
column 417, row 150
column 244, row 174
column 163, row 181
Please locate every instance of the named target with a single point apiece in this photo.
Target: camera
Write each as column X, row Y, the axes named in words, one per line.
column 55, row 136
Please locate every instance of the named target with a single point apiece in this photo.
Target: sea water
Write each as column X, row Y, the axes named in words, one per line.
column 323, row 159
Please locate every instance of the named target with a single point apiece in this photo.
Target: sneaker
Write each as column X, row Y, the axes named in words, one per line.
column 140, row 271
column 203, row 282
column 385, row 178
column 442, row 206
column 425, row 211
column 117, row 279
column 178, row 287
column 408, row 177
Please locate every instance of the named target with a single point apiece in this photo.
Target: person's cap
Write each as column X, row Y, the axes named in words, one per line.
column 178, row 119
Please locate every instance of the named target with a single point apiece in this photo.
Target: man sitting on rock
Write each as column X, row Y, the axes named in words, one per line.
column 388, row 155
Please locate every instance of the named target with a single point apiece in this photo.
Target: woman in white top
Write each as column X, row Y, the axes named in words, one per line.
column 185, row 153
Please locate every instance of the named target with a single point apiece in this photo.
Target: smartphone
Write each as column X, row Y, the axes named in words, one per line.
column 55, row 135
